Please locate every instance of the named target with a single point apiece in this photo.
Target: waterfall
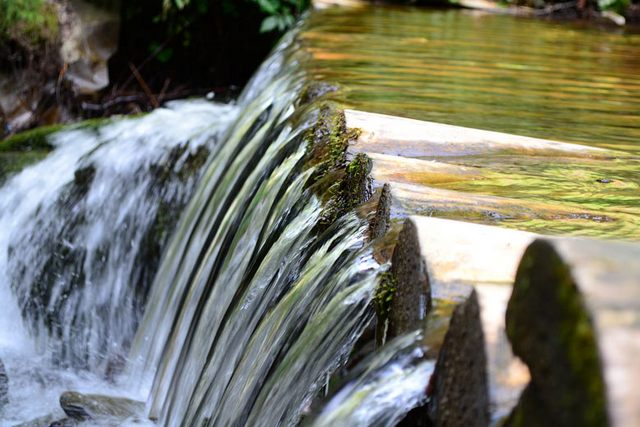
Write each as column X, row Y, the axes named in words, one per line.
column 238, row 312
column 79, row 267
column 388, row 384
column 253, row 307
column 80, row 233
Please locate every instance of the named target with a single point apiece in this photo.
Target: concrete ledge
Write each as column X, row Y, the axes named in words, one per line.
column 414, row 138
column 464, row 259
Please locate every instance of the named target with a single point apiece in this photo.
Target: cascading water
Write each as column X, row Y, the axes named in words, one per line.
column 257, row 299
column 248, row 287
column 79, row 233
column 391, row 382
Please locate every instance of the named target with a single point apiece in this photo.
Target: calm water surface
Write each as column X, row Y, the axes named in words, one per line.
column 551, row 80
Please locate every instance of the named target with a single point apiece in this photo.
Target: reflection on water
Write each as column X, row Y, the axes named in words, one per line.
column 529, row 77
column 551, row 80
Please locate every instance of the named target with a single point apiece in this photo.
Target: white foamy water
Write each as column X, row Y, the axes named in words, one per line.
column 47, row 211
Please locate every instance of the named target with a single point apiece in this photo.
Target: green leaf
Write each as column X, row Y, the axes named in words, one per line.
column 165, row 55
column 269, row 6
column 269, row 24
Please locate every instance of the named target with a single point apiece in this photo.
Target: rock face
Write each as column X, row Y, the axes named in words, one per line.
column 71, row 56
column 572, row 318
column 89, row 39
column 4, row 387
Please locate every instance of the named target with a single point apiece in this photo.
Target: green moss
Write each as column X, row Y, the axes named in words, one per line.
column 328, row 140
column 31, row 23
column 341, row 184
column 352, row 190
column 383, row 298
column 13, row 162
column 38, row 138
column 34, row 139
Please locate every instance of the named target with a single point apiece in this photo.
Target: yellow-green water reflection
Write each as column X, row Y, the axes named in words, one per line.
column 523, row 76
column 550, row 80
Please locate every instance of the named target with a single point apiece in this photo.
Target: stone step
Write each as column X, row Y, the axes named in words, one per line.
column 495, row 178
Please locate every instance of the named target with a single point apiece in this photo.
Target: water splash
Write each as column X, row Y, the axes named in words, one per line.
column 389, row 384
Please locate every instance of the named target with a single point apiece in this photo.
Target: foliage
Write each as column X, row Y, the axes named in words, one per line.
column 31, row 22
column 280, row 13
column 618, row 6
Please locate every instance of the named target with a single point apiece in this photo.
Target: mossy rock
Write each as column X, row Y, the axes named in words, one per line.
column 551, row 330
column 328, row 140
column 341, row 183
column 30, row 140
column 31, row 24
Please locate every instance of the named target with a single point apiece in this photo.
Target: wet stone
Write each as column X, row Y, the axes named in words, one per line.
column 83, row 407
column 49, row 421
column 572, row 318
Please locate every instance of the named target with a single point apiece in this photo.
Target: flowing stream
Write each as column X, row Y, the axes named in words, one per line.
column 558, row 80
column 253, row 306
column 178, row 259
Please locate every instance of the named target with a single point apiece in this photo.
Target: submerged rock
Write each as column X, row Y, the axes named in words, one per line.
column 4, row 387
column 50, row 420
column 83, row 407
